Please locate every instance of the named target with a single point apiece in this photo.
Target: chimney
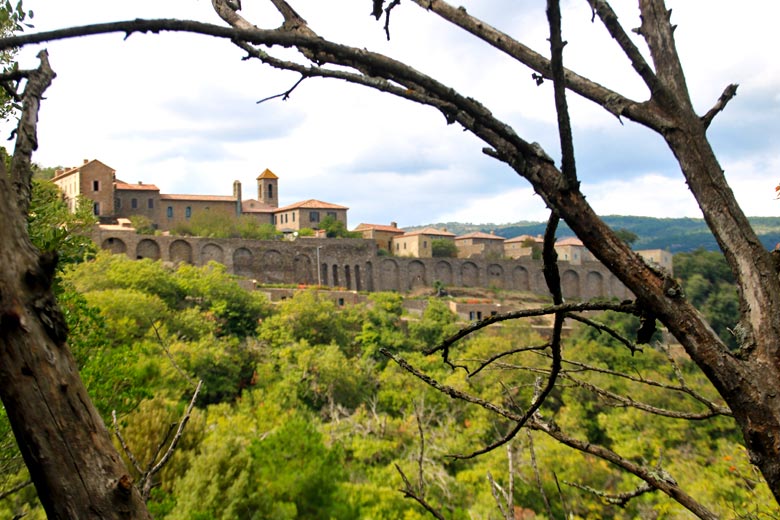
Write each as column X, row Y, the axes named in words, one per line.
column 395, row 225
column 86, row 161
column 237, row 196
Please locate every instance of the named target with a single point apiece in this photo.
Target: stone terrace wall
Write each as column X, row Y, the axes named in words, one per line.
column 355, row 264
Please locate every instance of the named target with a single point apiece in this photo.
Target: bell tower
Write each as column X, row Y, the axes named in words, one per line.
column 268, row 188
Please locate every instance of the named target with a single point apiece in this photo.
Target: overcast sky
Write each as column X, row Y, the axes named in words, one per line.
column 180, row 110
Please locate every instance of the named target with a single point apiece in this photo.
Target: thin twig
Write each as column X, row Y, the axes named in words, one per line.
column 286, row 94
column 15, row 489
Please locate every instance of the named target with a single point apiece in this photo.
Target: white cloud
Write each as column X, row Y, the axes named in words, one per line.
column 179, row 110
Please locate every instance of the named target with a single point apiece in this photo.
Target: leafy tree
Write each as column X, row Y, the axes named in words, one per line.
column 443, row 248
column 336, row 229
column 143, row 225
column 53, row 228
column 629, row 237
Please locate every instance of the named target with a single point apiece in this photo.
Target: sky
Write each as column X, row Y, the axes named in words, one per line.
column 181, row 111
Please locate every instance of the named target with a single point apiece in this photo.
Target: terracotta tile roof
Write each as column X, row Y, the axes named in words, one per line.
column 480, row 234
column 379, row 227
column 312, row 204
column 431, row 232
column 569, row 241
column 267, row 174
column 523, row 238
column 136, row 187
column 199, row 198
column 255, row 206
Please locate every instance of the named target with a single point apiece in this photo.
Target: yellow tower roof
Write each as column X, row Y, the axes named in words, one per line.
column 267, row 174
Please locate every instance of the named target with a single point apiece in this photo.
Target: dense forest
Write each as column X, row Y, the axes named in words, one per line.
column 301, row 416
column 678, row 235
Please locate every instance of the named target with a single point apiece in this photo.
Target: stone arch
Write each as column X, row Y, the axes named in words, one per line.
column 442, row 271
column 417, row 273
column 117, row 246
column 180, row 251
column 594, row 284
column 540, row 284
column 369, row 276
column 272, row 266
column 469, row 274
column 347, row 277
column 389, row 275
column 570, row 284
column 302, row 269
column 520, row 279
column 212, row 253
column 147, row 248
column 617, row 289
column 495, row 276
column 358, row 281
column 242, row 262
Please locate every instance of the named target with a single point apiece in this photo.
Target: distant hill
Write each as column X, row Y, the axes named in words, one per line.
column 674, row 234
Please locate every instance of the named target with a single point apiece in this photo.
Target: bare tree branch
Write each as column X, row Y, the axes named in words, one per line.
column 720, row 105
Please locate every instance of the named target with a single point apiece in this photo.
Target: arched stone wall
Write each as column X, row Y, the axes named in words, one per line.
column 417, row 276
column 212, row 253
column 354, row 263
column 389, row 275
column 469, row 274
column 594, row 285
column 303, row 270
column 570, row 284
column 495, row 276
column 443, row 272
column 520, row 279
column 242, row 262
column 180, row 252
column 147, row 248
column 117, row 246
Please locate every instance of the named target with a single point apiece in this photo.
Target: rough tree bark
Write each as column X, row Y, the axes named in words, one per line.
column 75, row 468
column 748, row 380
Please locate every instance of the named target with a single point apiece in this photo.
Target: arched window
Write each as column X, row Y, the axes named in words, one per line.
column 187, row 212
column 170, row 211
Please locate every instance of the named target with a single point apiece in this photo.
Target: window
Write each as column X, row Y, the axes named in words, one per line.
column 150, row 203
column 425, row 244
column 404, row 245
column 314, row 216
column 169, row 211
column 95, row 185
column 96, row 208
column 397, row 246
column 134, row 203
column 187, row 212
column 341, row 302
column 332, row 214
column 270, row 191
column 293, row 215
column 118, row 203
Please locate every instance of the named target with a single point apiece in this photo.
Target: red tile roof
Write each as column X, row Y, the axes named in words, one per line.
column 569, row 241
column 201, row 198
column 142, row 187
column 379, row 227
column 312, row 204
column 479, row 234
column 523, row 238
column 431, row 232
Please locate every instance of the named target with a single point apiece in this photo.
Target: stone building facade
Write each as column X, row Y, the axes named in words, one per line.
column 112, row 198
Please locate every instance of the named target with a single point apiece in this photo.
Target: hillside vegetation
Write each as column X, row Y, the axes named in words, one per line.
column 674, row 234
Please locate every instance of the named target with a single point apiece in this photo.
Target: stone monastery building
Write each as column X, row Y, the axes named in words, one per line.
column 113, row 199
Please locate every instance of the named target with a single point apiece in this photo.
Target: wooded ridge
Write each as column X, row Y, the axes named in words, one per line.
column 678, row 235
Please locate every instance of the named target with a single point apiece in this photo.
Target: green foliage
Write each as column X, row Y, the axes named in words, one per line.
column 143, row 225
column 53, row 228
column 629, row 237
column 336, row 229
column 306, row 232
column 709, row 285
column 444, row 248
column 437, row 322
column 222, row 225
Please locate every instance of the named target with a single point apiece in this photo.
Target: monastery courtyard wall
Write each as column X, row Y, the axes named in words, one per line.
column 355, row 264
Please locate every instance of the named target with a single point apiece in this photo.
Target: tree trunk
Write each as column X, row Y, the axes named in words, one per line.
column 75, row 468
